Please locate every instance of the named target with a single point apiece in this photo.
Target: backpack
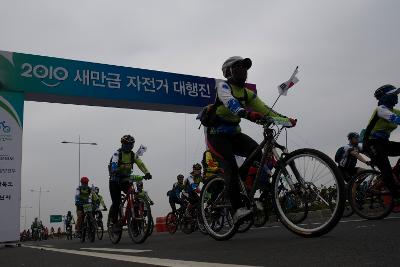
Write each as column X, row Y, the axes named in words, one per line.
column 208, row 116
column 339, row 154
column 119, row 160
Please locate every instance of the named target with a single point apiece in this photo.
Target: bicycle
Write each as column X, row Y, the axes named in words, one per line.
column 369, row 196
column 174, row 219
column 294, row 171
column 88, row 227
column 194, row 222
column 131, row 213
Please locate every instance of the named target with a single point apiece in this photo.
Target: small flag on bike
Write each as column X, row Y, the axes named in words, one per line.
column 141, row 151
column 284, row 87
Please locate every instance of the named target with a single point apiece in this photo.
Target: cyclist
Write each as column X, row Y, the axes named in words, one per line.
column 120, row 168
column 81, row 197
column 36, row 227
column 384, row 120
column 224, row 137
column 192, row 189
column 142, row 193
column 348, row 155
column 98, row 199
column 69, row 220
column 175, row 193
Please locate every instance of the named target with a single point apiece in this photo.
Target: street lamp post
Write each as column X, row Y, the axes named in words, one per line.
column 25, row 207
column 40, row 191
column 79, row 143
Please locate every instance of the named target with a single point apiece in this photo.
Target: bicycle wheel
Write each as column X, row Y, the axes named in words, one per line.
column 369, row 197
column 139, row 221
column 115, row 236
column 302, row 184
column 348, row 209
column 188, row 226
column 217, row 215
column 83, row 230
column 151, row 226
column 91, row 228
column 172, row 223
column 100, row 230
column 69, row 233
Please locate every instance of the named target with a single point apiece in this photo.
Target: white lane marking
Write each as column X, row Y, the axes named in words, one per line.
column 365, row 226
column 48, row 246
column 363, row 220
column 303, row 224
column 143, row 260
column 118, row 250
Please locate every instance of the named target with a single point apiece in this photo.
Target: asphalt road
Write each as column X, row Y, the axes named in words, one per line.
column 354, row 242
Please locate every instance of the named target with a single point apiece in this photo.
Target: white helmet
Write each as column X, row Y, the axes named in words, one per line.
column 232, row 60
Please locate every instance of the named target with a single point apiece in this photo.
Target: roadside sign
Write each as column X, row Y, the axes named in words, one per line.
column 55, row 218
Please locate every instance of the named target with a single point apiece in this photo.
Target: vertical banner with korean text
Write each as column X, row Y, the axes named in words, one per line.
column 11, row 116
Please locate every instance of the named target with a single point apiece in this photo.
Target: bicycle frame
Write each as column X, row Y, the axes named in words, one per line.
column 269, row 144
column 129, row 199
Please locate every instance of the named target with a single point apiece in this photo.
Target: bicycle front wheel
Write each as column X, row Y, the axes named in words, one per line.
column 172, row 223
column 217, row 215
column 309, row 193
column 115, row 236
column 369, row 197
column 139, row 221
column 100, row 230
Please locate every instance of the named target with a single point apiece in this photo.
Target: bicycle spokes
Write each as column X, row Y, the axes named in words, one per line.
column 308, row 191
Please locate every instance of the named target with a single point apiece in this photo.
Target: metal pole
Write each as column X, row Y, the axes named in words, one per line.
column 79, row 159
column 25, row 220
column 40, row 194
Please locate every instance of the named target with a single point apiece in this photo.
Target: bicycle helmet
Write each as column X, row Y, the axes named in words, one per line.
column 84, row 180
column 127, row 139
column 230, row 62
column 353, row 135
column 386, row 89
column 180, row 177
column 197, row 166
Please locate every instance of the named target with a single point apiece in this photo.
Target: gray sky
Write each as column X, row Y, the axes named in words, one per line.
column 344, row 49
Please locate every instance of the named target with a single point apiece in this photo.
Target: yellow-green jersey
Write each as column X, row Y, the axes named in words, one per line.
column 232, row 100
column 121, row 165
column 382, row 123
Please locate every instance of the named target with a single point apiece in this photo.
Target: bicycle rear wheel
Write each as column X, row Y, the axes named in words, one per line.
column 303, row 182
column 217, row 215
column 369, row 197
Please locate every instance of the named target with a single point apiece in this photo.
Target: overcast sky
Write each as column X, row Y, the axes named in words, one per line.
column 344, row 50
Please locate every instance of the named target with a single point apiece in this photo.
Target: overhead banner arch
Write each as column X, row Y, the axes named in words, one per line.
column 57, row 80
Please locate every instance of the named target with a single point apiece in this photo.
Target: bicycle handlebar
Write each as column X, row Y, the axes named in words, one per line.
column 267, row 121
